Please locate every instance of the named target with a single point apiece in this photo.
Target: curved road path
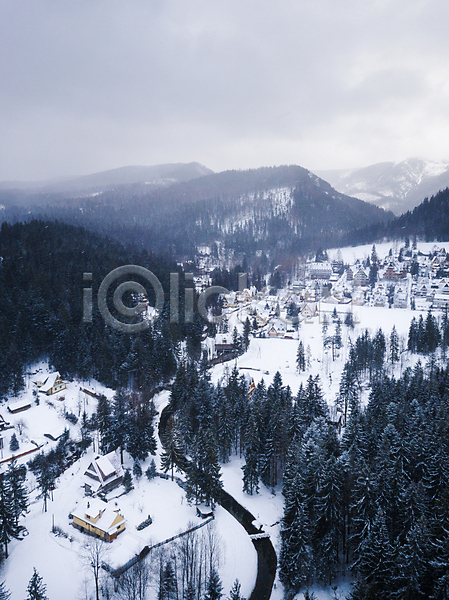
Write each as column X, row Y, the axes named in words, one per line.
column 266, row 555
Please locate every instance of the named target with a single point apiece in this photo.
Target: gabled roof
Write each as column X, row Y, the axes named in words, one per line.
column 100, row 515
column 103, row 470
column 49, row 382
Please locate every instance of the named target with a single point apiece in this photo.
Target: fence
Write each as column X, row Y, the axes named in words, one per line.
column 147, row 549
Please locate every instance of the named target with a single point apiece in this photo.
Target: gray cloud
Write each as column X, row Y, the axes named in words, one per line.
column 89, row 85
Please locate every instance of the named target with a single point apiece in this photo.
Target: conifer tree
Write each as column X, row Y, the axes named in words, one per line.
column 246, row 333
column 295, row 561
column 349, row 320
column 151, row 472
column 120, row 418
column 8, row 523
column 5, row 594
column 301, row 357
column 36, row 587
column 14, row 443
column 252, row 452
column 137, row 469
column 19, row 493
column 214, row 587
column 168, row 585
column 235, row 593
column 172, row 455
column 127, row 481
column 104, row 422
column 394, row 345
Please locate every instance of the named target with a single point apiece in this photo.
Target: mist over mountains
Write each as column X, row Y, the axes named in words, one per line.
column 274, row 212
column 396, row 186
column 149, row 177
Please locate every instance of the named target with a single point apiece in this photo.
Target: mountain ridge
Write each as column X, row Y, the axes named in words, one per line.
column 155, row 176
column 398, row 186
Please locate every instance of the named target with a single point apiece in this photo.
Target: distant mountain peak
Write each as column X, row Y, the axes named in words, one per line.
column 397, row 186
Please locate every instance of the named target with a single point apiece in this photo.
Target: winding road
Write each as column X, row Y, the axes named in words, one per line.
column 266, row 555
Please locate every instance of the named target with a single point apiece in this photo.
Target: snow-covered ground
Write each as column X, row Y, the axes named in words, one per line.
column 352, row 253
column 59, row 560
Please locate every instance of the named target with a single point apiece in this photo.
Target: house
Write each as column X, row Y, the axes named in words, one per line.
column 272, row 333
column 361, row 278
column 103, row 474
column 55, row 433
column 97, row 518
column 400, row 299
column 320, row 270
column 51, row 385
column 19, row 406
column 4, row 424
column 308, row 310
column 223, row 344
column 440, row 301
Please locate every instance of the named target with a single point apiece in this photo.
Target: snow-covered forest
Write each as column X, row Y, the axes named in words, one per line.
column 333, row 438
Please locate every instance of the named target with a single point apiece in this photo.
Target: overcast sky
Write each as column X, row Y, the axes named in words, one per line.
column 90, row 85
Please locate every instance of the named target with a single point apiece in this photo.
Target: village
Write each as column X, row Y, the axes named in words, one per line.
column 402, row 279
column 90, row 500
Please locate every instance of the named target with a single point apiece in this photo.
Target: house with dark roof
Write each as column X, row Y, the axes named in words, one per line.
column 103, row 474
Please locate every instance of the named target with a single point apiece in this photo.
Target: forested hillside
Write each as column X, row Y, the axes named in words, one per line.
column 41, row 309
column 277, row 210
column 429, row 221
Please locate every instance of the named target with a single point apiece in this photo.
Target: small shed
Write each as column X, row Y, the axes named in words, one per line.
column 19, row 406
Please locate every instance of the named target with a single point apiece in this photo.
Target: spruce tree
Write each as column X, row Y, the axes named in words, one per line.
column 104, row 423
column 151, row 472
column 127, row 481
column 246, row 333
column 120, row 421
column 8, row 522
column 173, row 453
column 168, row 586
column 394, row 345
column 5, row 594
column 235, row 593
column 214, row 587
column 137, row 469
column 296, row 559
column 252, row 452
column 301, row 357
column 19, row 492
column 13, row 443
column 36, row 588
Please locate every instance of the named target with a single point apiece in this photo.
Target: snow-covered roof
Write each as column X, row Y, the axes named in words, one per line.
column 49, row 382
column 103, row 471
column 105, row 465
column 223, row 339
column 94, row 509
column 19, row 405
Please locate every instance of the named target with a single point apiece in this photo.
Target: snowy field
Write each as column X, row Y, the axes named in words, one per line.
column 352, row 253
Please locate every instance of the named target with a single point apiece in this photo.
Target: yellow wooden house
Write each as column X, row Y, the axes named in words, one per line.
column 51, row 385
column 99, row 519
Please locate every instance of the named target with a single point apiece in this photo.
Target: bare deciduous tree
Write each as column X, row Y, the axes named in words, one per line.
column 134, row 584
column 93, row 554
